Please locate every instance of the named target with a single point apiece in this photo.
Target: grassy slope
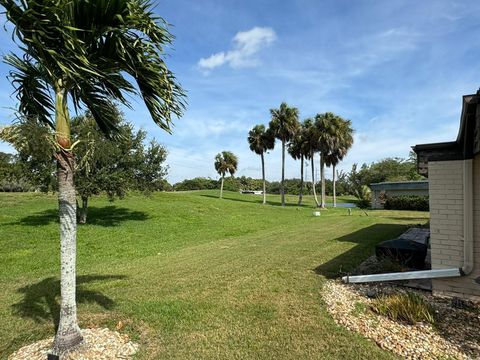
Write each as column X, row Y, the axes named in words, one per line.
column 191, row 276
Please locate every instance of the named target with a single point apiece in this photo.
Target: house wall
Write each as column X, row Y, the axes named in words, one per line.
column 376, row 204
column 446, row 226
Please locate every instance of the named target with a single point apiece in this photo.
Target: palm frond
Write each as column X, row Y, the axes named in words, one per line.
column 85, row 46
column 32, row 89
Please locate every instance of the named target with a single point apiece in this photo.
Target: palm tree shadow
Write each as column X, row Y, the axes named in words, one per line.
column 100, row 216
column 41, row 300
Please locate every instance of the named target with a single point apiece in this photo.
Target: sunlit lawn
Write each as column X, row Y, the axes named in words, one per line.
column 192, row 276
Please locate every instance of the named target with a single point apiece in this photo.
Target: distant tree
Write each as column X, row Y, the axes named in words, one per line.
column 298, row 149
column 389, row 169
column 311, row 146
column 12, row 178
column 284, row 125
column 32, row 141
column 329, row 130
column 111, row 166
column 150, row 169
column 342, row 141
column 261, row 140
column 225, row 162
column 115, row 167
column 198, row 183
column 248, row 183
column 80, row 50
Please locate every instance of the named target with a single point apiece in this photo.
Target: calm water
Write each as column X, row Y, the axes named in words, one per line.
column 343, row 205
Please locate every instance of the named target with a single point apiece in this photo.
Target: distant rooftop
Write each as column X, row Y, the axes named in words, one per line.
column 401, row 185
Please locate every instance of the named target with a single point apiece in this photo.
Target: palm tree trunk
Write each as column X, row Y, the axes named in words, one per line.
column 282, row 187
column 83, row 211
column 313, row 179
column 68, row 333
column 221, row 187
column 322, row 178
column 263, row 178
column 334, row 190
column 300, row 195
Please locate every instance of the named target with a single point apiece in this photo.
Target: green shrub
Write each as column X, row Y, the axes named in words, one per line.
column 363, row 203
column 197, row 183
column 409, row 307
column 364, row 196
column 407, row 202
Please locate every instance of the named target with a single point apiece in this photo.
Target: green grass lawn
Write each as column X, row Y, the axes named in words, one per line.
column 192, row 276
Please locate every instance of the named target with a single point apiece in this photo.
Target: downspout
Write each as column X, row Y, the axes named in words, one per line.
column 467, row 217
column 467, row 266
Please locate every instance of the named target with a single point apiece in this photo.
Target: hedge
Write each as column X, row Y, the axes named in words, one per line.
column 407, row 202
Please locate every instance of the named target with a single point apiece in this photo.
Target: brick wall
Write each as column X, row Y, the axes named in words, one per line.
column 446, row 226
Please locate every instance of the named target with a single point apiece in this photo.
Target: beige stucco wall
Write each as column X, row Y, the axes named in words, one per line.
column 446, row 226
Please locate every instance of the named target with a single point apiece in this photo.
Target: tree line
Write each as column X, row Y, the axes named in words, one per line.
column 327, row 134
column 354, row 182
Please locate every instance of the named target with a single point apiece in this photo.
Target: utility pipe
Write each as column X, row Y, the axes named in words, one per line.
column 467, row 266
column 467, row 217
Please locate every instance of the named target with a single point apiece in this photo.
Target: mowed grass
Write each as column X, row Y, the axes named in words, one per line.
column 190, row 276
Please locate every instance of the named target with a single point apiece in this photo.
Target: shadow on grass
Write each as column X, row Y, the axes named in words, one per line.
column 41, row 300
column 101, row 216
column 366, row 239
column 250, row 199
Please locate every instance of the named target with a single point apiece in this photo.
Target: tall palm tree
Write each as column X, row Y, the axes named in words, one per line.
column 298, row 149
column 261, row 140
column 327, row 131
column 311, row 146
column 79, row 50
column 342, row 144
column 284, row 125
column 225, row 162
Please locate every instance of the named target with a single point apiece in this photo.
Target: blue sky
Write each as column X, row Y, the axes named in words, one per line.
column 397, row 69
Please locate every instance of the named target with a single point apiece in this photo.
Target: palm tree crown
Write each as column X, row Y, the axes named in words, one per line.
column 298, row 145
column 284, row 123
column 82, row 49
column 226, row 162
column 260, row 139
column 342, row 142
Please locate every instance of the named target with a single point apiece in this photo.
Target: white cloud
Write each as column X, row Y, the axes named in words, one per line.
column 208, row 128
column 246, row 45
column 372, row 50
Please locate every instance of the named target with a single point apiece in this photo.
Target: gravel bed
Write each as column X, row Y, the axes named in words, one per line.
column 99, row 344
column 454, row 335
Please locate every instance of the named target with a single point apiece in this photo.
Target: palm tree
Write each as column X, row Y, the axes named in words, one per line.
column 341, row 145
column 79, row 50
column 327, row 132
column 225, row 162
column 261, row 140
column 284, row 125
column 311, row 146
column 298, row 149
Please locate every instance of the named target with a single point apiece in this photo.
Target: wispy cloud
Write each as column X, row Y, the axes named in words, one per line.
column 246, row 45
column 372, row 50
column 210, row 127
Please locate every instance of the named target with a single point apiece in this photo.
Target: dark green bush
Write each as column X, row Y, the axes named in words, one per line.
column 198, row 183
column 363, row 203
column 407, row 202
